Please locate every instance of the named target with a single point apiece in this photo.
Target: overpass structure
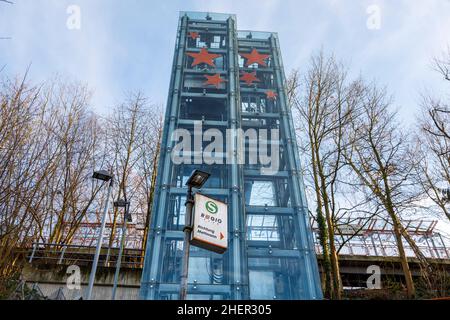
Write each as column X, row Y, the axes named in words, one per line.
column 361, row 243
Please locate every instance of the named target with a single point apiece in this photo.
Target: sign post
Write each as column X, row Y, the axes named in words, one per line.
column 208, row 229
column 210, row 225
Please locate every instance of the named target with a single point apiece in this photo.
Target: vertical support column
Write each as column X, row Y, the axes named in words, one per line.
column 237, row 213
column 151, row 274
column 61, row 257
column 445, row 248
column 373, row 244
column 433, row 250
column 35, row 246
column 309, row 276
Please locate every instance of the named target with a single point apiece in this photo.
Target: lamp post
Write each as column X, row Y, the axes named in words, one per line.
column 103, row 176
column 446, row 195
column 196, row 180
column 126, row 218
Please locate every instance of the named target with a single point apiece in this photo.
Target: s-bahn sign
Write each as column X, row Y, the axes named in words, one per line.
column 210, row 227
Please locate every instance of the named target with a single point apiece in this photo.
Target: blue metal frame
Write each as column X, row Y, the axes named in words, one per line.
column 288, row 263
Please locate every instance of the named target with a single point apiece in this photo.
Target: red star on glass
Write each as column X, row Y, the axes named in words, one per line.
column 214, row 80
column 203, row 57
column 255, row 57
column 194, row 35
column 249, row 78
column 271, row 95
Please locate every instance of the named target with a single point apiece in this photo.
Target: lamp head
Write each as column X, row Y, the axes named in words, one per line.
column 102, row 175
column 128, row 217
column 121, row 203
column 197, row 179
column 124, row 204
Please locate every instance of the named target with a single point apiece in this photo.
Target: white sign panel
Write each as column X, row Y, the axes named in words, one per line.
column 210, row 228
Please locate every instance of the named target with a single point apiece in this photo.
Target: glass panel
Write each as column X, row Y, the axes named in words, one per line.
column 177, row 212
column 217, row 180
column 259, row 35
column 253, row 104
column 277, row 231
column 202, row 108
column 260, row 193
column 200, row 270
column 204, row 297
column 262, row 286
column 207, row 16
column 241, row 61
column 262, row 228
column 205, row 267
column 274, row 278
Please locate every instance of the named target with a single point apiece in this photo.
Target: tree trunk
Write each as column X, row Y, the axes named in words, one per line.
column 326, row 264
column 410, row 290
column 337, row 292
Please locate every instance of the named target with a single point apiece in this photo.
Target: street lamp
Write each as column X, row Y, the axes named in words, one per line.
column 104, row 176
column 126, row 218
column 196, row 180
column 446, row 195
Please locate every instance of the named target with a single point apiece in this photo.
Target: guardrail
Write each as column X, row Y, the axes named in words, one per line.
column 62, row 254
column 66, row 254
column 388, row 250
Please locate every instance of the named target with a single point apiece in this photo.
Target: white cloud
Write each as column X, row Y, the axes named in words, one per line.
column 129, row 45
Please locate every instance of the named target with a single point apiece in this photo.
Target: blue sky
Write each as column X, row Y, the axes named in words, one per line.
column 128, row 45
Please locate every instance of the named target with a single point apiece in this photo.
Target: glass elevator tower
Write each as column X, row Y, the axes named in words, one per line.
column 225, row 79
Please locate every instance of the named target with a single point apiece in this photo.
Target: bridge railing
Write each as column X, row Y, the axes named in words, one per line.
column 66, row 254
column 375, row 237
column 388, row 250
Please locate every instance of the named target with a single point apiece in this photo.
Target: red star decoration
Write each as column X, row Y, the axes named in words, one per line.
column 249, row 78
column 203, row 57
column 215, row 80
column 194, row 35
column 255, row 57
column 271, row 95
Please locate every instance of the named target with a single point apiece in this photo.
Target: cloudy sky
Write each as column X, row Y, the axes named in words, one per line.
column 128, row 45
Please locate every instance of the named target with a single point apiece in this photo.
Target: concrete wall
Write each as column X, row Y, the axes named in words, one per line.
column 51, row 278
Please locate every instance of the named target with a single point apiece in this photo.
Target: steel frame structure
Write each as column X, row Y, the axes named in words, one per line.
column 377, row 239
column 277, row 267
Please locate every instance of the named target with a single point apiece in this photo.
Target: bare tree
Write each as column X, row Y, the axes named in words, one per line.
column 76, row 133
column 27, row 160
column 433, row 140
column 133, row 137
column 380, row 155
column 325, row 102
column 150, row 147
column 442, row 64
column 50, row 142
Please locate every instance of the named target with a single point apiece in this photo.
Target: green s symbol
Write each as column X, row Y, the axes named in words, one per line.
column 211, row 207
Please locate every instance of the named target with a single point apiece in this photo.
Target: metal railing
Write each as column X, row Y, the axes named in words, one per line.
column 376, row 239
column 63, row 254
column 388, row 250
